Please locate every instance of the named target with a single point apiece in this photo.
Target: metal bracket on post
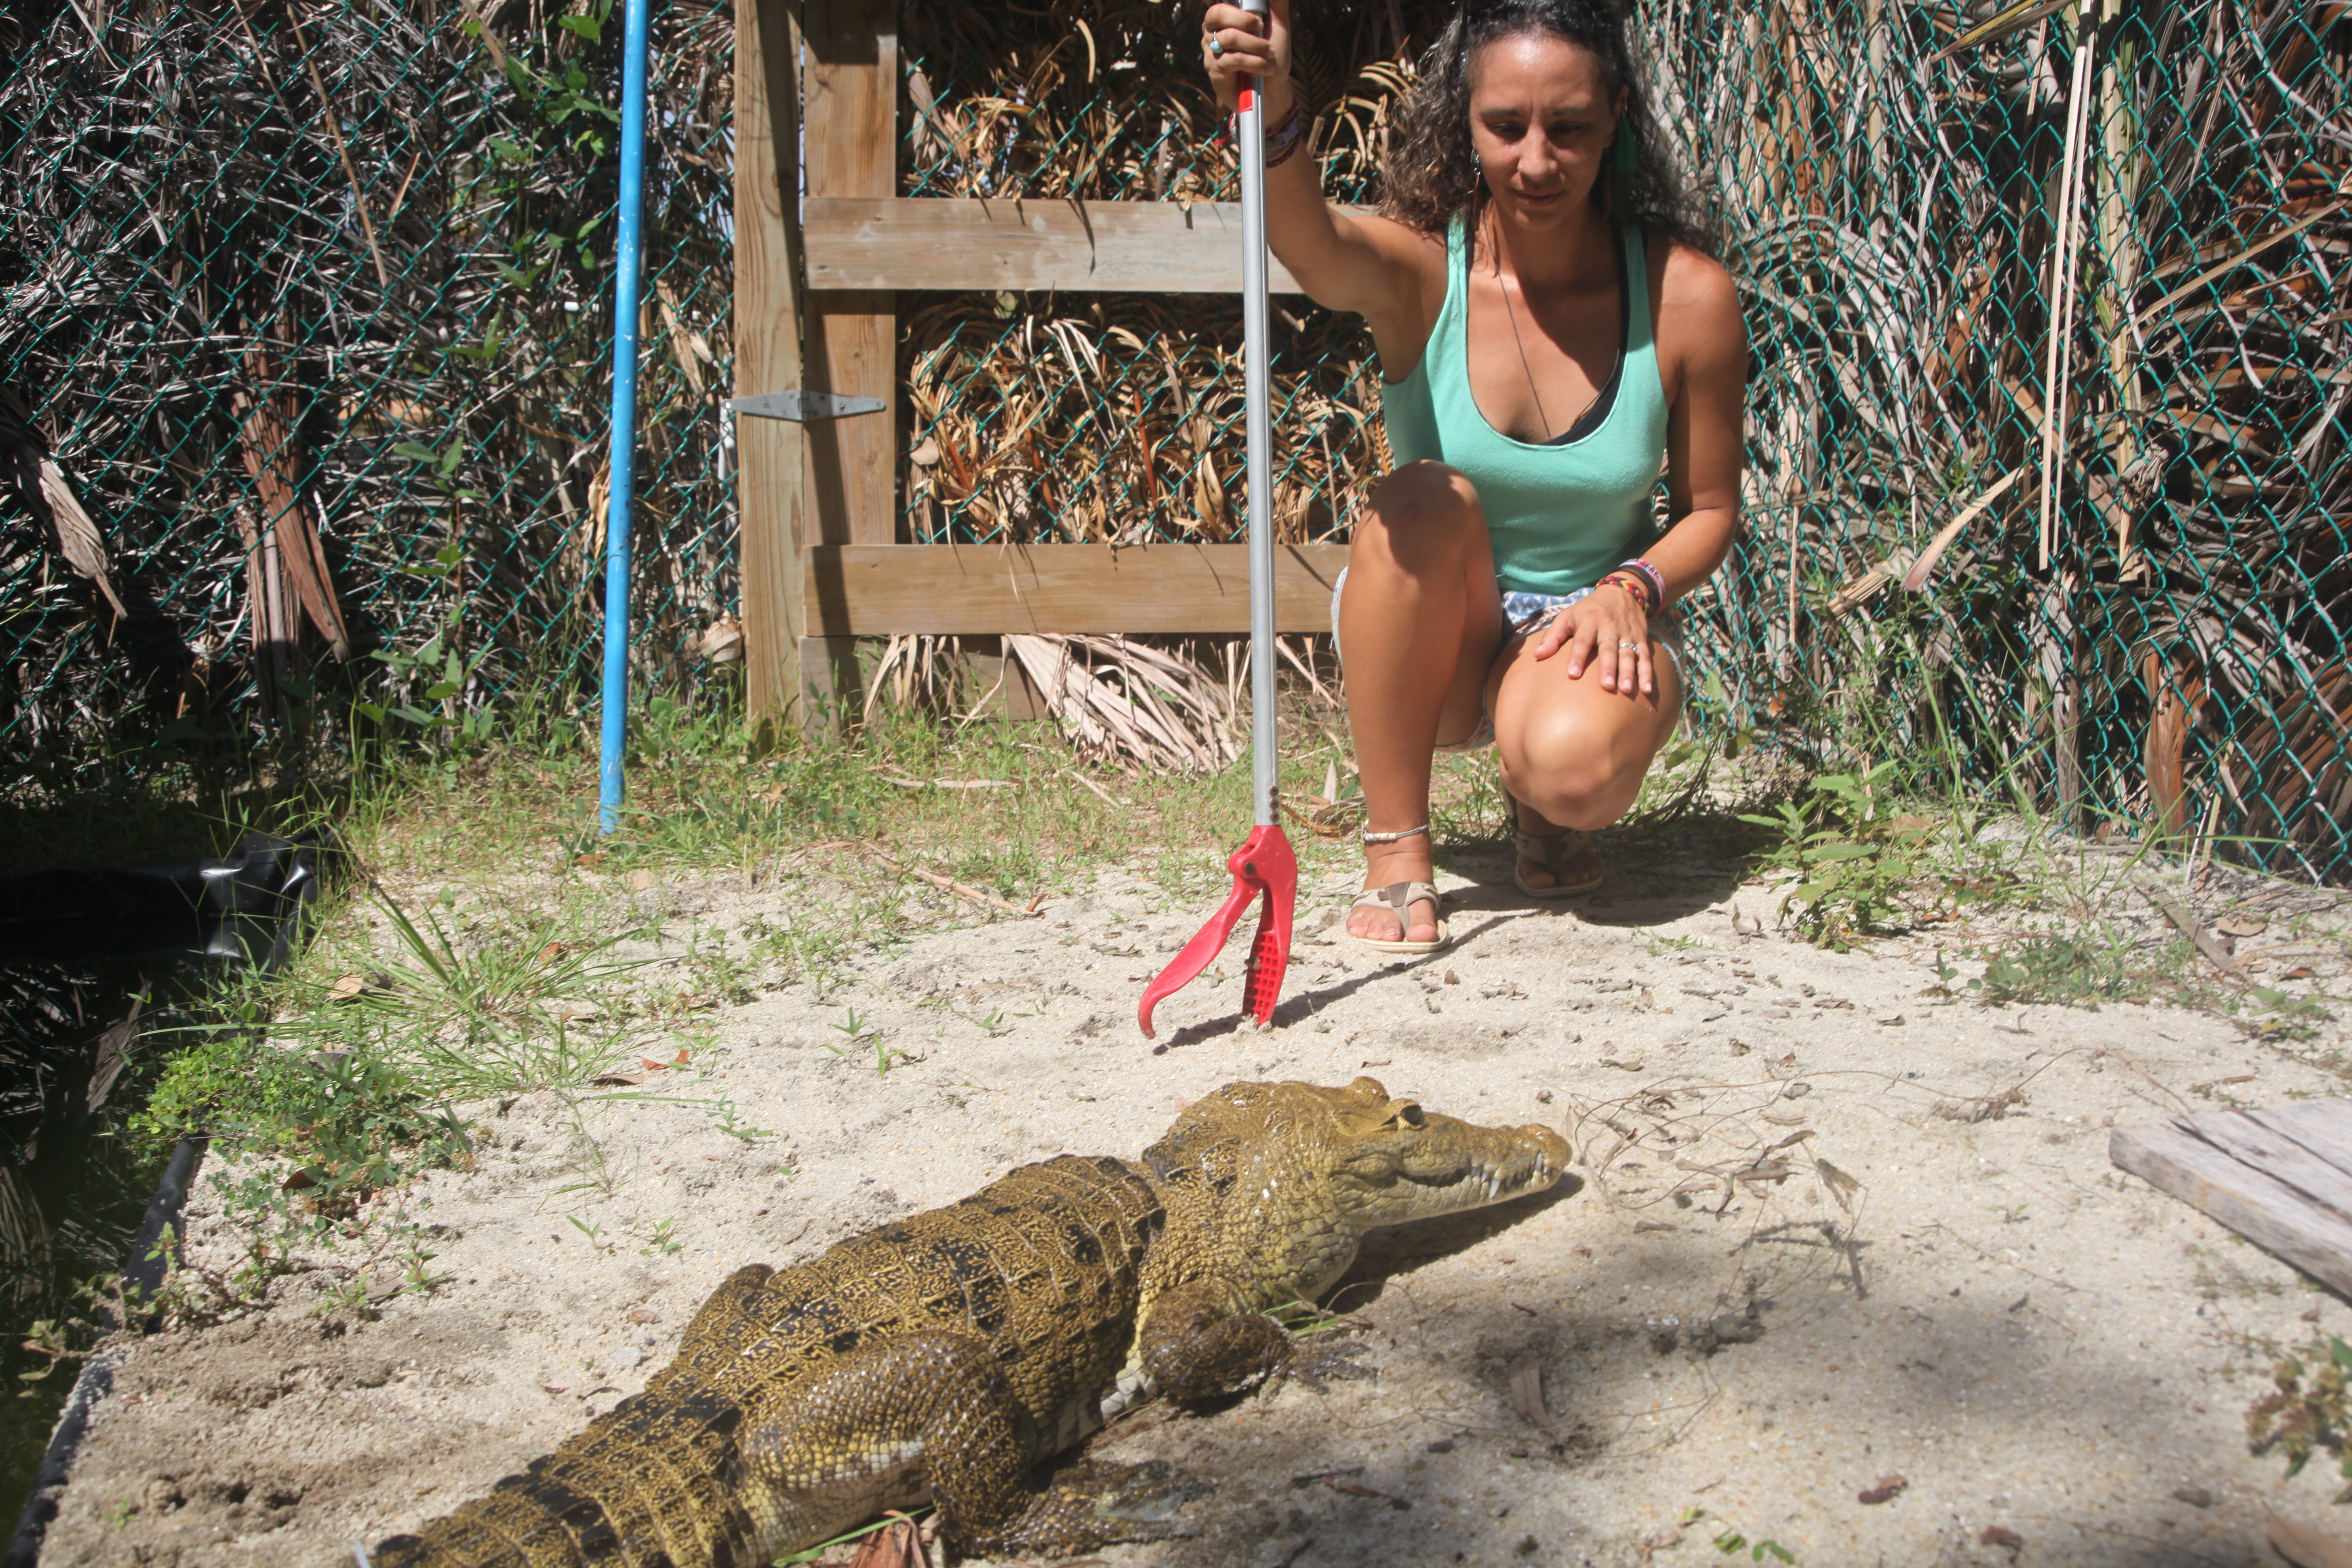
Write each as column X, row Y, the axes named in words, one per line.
column 801, row 406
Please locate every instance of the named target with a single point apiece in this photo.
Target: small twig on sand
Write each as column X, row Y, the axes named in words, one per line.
column 2112, row 1053
column 1105, row 795
column 2172, row 910
column 961, row 889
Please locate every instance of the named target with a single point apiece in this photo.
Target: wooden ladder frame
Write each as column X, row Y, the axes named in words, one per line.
column 816, row 308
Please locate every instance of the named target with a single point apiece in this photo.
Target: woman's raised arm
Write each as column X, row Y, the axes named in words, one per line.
column 1377, row 269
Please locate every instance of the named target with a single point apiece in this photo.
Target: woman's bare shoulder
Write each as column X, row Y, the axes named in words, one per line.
column 1401, row 243
column 1690, row 280
column 1699, row 325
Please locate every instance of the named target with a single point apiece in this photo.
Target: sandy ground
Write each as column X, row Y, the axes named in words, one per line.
column 2052, row 1357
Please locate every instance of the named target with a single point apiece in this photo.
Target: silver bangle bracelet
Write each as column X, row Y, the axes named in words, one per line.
column 1369, row 837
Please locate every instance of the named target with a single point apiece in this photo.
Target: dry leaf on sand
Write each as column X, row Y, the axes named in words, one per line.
column 1527, row 1391
column 2305, row 1547
column 896, row 1545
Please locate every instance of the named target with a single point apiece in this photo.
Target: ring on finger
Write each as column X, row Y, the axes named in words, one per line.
column 1215, row 48
column 1628, row 644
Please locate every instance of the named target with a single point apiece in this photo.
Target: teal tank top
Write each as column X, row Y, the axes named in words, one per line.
column 1561, row 515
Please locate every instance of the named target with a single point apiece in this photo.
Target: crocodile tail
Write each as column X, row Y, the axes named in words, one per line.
column 646, row 1485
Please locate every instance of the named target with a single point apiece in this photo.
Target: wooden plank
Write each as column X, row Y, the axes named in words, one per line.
column 989, row 588
column 2267, row 1212
column 936, row 242
column 2305, row 1547
column 769, row 476
column 832, row 685
column 2280, row 1157
column 852, row 150
column 2322, row 1126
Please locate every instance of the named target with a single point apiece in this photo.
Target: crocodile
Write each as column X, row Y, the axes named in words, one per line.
column 946, row 1356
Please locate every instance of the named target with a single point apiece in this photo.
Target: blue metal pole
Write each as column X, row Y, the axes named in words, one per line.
column 628, row 263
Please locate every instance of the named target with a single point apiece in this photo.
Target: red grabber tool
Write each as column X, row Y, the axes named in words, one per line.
column 1264, row 865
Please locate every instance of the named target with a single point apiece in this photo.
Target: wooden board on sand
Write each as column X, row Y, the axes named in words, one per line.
column 2281, row 1177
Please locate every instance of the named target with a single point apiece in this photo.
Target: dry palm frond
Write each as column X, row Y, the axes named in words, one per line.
column 1115, row 418
column 914, row 672
column 42, row 489
column 24, row 1236
column 898, row 1544
column 1118, row 420
column 1120, row 699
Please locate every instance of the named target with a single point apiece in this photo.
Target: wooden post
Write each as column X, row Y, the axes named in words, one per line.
column 2174, row 699
column 769, row 482
column 2062, row 661
column 853, row 335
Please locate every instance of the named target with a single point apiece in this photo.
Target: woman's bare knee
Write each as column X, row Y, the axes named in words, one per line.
column 1574, row 776
column 1419, row 518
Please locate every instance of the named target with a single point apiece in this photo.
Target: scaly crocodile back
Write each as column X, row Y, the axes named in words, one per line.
column 1043, row 1266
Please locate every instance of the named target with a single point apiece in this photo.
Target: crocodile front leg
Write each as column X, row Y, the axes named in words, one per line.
column 1195, row 1347
column 930, row 1411
column 726, row 1322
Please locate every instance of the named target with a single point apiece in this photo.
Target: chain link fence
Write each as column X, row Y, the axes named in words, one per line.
column 2172, row 654
column 2158, row 632
column 305, row 308
column 382, row 237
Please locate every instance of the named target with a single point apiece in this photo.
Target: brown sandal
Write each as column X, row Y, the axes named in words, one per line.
column 1552, row 852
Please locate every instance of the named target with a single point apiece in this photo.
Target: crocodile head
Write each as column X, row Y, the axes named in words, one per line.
column 1295, row 1174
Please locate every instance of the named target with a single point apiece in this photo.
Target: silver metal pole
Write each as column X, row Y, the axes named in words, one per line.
column 1258, row 390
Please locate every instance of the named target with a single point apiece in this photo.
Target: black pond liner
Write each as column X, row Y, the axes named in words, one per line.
column 245, row 910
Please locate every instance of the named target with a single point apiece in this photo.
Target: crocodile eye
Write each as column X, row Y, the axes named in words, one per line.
column 1405, row 1113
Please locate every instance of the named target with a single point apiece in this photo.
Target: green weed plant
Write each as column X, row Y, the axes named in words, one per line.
column 2083, row 969
column 2304, row 1412
column 352, row 1123
column 1852, row 858
column 510, row 1009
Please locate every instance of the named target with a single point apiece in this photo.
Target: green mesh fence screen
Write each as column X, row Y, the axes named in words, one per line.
column 192, row 235
column 295, row 285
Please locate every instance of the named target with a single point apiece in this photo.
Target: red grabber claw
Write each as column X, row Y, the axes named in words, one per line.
column 1264, row 865
column 1277, row 872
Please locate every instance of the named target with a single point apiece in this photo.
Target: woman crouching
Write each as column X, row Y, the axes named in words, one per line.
column 1552, row 332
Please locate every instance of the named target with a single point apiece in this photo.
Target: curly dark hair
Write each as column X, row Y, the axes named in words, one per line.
column 1432, row 176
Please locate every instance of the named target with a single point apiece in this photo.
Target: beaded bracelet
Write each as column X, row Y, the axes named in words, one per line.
column 1657, row 579
column 1283, row 139
column 1637, row 588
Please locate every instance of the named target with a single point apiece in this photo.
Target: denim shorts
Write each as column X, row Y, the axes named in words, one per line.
column 1526, row 615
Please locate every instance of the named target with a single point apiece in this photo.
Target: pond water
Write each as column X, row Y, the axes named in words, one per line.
column 98, row 967
column 79, row 1048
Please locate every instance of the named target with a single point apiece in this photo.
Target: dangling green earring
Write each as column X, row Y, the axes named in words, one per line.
column 1623, row 157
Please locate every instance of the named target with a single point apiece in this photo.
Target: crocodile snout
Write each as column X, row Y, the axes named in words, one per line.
column 1536, row 1157
column 1444, row 1166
